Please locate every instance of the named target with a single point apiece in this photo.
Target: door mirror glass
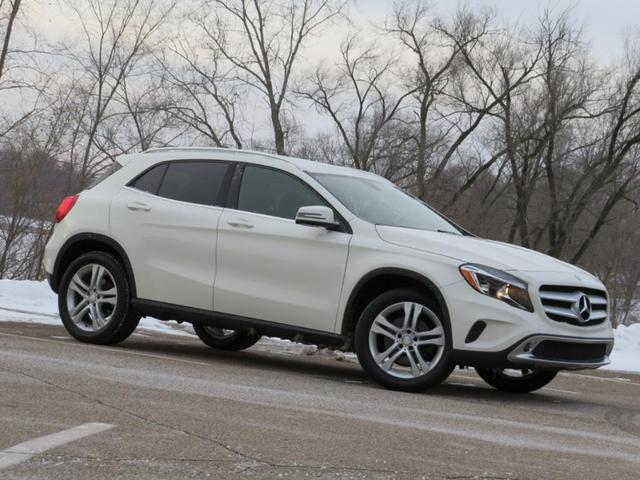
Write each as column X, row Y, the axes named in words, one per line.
column 318, row 216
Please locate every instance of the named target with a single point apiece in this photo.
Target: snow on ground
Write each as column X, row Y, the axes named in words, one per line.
column 626, row 352
column 34, row 302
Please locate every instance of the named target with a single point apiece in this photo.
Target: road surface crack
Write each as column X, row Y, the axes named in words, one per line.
column 143, row 418
column 252, row 460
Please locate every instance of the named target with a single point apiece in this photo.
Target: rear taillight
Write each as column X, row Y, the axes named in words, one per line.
column 65, row 207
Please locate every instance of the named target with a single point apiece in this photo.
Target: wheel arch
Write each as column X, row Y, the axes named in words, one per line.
column 380, row 280
column 87, row 242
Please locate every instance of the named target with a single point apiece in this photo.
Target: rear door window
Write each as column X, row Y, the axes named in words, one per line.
column 195, row 182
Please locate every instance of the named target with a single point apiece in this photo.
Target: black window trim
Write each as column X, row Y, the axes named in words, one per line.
column 234, row 192
column 223, row 194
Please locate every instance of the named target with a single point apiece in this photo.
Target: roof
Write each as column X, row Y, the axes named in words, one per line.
column 309, row 166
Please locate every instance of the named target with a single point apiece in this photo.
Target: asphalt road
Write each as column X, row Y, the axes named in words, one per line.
column 159, row 407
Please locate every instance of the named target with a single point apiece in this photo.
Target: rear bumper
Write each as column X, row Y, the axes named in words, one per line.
column 544, row 351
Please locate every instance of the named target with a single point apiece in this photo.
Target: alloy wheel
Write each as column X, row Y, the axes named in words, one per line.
column 406, row 340
column 92, row 297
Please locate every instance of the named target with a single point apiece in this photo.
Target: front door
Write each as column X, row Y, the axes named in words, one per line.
column 270, row 268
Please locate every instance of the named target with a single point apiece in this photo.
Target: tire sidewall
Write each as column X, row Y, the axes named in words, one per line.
column 123, row 298
column 240, row 340
column 435, row 376
column 539, row 379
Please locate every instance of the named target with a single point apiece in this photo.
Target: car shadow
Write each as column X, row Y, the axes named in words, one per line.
column 319, row 365
column 331, row 369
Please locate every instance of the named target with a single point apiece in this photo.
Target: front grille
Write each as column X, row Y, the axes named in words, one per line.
column 570, row 352
column 561, row 304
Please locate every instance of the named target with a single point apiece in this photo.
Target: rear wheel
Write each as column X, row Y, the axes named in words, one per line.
column 94, row 300
column 516, row 380
column 225, row 339
column 402, row 342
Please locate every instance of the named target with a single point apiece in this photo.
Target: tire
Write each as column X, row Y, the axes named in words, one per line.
column 527, row 381
column 222, row 339
column 407, row 365
column 93, row 273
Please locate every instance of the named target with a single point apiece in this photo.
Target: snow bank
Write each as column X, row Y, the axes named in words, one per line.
column 34, row 302
column 626, row 352
column 28, row 296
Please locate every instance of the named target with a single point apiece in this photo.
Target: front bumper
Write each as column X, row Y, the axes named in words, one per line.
column 505, row 327
column 543, row 351
column 515, row 338
column 551, row 351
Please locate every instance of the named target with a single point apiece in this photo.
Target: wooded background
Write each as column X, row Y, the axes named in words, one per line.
column 517, row 132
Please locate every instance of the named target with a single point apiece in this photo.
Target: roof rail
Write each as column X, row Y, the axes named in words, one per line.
column 219, row 149
column 206, row 149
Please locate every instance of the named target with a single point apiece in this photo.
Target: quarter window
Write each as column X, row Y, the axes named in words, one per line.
column 269, row 192
column 194, row 182
column 150, row 180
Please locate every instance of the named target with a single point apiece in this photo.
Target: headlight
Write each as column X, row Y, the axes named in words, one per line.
column 497, row 284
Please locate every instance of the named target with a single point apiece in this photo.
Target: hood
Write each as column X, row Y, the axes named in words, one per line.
column 469, row 249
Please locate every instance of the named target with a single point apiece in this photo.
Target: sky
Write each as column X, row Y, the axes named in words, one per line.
column 604, row 23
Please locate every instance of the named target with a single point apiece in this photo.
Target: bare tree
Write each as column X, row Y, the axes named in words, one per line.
column 359, row 98
column 503, row 70
column 8, row 13
column 145, row 105
column 614, row 166
column 437, row 58
column 263, row 40
column 203, row 93
column 12, row 75
column 26, row 204
column 115, row 36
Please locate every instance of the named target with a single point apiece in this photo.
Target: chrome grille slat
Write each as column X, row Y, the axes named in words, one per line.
column 558, row 302
column 599, row 315
column 563, row 312
column 560, row 296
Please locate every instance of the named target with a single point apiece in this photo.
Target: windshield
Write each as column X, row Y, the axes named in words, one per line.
column 381, row 203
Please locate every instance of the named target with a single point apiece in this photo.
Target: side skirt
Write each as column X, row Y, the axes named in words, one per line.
column 167, row 311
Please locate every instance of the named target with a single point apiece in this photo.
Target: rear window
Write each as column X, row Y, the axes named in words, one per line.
column 104, row 174
column 194, row 182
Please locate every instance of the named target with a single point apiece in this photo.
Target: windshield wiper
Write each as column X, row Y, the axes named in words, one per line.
column 447, row 231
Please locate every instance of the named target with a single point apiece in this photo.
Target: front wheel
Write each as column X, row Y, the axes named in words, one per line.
column 401, row 341
column 516, row 380
column 225, row 339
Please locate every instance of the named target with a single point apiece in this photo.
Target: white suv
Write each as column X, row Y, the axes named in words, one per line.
column 243, row 244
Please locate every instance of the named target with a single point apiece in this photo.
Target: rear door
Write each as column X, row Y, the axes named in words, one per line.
column 166, row 220
column 270, row 268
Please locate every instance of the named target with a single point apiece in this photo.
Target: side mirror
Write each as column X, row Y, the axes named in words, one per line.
column 317, row 216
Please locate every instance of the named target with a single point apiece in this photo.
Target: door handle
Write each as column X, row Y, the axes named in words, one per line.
column 135, row 206
column 239, row 223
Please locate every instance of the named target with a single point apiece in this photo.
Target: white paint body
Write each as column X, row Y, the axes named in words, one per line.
column 279, row 271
